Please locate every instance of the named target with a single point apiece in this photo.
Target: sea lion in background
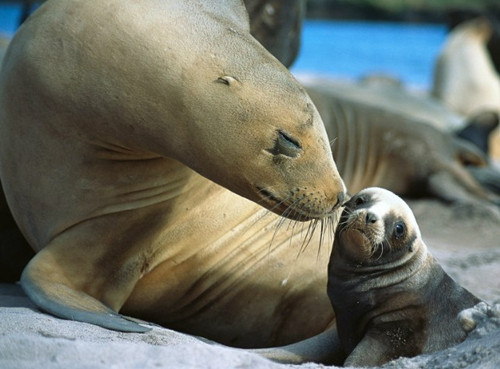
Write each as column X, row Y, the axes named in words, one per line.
column 457, row 16
column 101, row 170
column 390, row 296
column 383, row 147
column 389, row 95
column 277, row 25
column 465, row 79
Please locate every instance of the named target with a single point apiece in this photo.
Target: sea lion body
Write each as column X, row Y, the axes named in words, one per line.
column 389, row 95
column 390, row 296
column 375, row 143
column 122, row 127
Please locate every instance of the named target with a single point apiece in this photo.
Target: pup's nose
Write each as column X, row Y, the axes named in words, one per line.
column 370, row 218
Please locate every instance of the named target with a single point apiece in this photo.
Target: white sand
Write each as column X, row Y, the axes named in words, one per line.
column 467, row 246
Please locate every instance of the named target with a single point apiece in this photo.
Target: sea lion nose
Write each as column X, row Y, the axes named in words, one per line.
column 370, row 218
column 340, row 199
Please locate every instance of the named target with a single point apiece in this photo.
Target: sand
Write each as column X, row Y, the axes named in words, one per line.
column 466, row 242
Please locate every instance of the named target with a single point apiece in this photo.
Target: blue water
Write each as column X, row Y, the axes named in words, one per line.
column 9, row 18
column 354, row 49
column 347, row 49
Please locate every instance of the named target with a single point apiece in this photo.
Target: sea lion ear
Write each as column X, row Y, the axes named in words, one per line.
column 227, row 80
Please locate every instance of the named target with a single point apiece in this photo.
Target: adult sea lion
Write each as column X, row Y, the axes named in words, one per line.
column 465, row 78
column 119, row 124
column 390, row 296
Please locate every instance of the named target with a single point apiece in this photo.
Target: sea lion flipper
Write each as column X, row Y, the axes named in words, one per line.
column 60, row 300
column 457, row 185
column 371, row 351
column 488, row 177
column 323, row 348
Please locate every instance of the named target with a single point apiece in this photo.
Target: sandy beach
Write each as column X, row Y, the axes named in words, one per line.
column 466, row 242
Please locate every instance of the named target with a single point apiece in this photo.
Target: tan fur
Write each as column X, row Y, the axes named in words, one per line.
column 121, row 124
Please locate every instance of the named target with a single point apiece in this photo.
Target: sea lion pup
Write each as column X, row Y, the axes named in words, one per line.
column 390, row 296
column 124, row 127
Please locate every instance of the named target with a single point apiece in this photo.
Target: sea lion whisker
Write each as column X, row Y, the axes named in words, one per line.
column 301, row 248
column 333, row 221
column 380, row 246
column 321, row 235
column 330, row 229
column 374, row 249
column 281, row 221
column 309, row 235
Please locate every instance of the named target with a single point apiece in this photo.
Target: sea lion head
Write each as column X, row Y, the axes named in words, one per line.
column 254, row 130
column 376, row 227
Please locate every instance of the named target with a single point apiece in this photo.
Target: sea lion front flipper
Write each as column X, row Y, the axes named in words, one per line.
column 51, row 295
column 488, row 177
column 447, row 187
column 323, row 348
column 372, row 350
column 454, row 183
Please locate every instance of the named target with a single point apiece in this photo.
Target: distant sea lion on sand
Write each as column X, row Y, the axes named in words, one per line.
column 111, row 115
column 465, row 78
column 390, row 296
column 394, row 147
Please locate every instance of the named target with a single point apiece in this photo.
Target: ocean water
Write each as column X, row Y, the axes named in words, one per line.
column 346, row 49
column 355, row 49
column 9, row 18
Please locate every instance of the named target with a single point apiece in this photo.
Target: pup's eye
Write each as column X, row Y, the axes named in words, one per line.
column 360, row 200
column 399, row 229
